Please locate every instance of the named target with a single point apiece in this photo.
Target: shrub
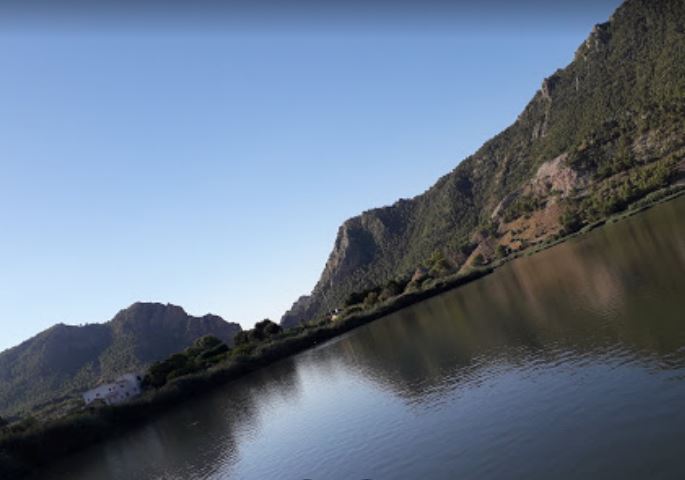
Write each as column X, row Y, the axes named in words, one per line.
column 571, row 220
column 241, row 338
column 479, row 260
column 244, row 349
column 371, row 299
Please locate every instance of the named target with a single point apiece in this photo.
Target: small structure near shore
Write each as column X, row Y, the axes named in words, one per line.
column 123, row 389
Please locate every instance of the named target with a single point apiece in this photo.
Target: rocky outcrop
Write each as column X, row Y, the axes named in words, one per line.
column 144, row 323
column 617, row 106
column 555, row 176
column 305, row 307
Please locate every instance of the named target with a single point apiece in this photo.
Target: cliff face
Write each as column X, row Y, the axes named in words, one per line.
column 597, row 135
column 65, row 360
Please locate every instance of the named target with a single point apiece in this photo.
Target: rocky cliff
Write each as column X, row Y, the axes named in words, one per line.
column 598, row 135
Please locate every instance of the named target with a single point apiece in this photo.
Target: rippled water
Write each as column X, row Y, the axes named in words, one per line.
column 567, row 364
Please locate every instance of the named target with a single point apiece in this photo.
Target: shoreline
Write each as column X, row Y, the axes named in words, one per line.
column 26, row 453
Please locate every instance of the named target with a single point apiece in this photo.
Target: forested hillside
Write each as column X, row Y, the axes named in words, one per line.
column 598, row 136
column 65, row 360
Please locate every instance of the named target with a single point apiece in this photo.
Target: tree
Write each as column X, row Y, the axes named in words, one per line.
column 501, row 251
column 241, row 338
column 207, row 342
column 392, row 289
column 467, row 247
column 570, row 220
column 356, row 298
column 160, row 372
column 3, row 422
column 371, row 299
column 264, row 330
column 479, row 260
column 270, row 328
column 438, row 264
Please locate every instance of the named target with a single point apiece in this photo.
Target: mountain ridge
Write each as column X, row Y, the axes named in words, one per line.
column 607, row 129
column 64, row 360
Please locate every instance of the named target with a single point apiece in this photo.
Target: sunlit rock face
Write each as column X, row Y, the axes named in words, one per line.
column 613, row 112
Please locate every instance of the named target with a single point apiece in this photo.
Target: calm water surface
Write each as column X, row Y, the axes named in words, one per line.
column 567, row 364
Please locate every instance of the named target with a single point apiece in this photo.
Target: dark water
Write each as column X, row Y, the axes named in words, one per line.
column 567, row 364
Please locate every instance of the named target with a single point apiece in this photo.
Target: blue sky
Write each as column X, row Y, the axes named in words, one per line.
column 211, row 167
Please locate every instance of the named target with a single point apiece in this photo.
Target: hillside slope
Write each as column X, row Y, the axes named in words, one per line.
column 599, row 134
column 65, row 360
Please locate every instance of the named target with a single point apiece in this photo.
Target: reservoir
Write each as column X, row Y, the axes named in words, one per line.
column 566, row 364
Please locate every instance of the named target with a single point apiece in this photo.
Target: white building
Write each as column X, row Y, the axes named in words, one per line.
column 123, row 389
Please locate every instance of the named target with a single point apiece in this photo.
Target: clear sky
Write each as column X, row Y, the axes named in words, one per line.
column 206, row 157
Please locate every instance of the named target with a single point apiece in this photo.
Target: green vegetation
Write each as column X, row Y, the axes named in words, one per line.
column 202, row 354
column 617, row 115
column 622, row 190
column 501, row 251
column 45, row 376
column 263, row 330
column 393, row 288
column 523, row 206
column 616, row 108
column 209, row 351
column 30, row 444
column 356, row 298
column 571, row 219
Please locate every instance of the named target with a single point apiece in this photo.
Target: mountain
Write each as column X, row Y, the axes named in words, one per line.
column 597, row 136
column 66, row 360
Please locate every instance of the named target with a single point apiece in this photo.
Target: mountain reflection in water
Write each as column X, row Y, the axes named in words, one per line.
column 566, row 364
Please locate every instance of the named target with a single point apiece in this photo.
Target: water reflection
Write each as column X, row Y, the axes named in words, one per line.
column 197, row 440
column 620, row 287
column 558, row 365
